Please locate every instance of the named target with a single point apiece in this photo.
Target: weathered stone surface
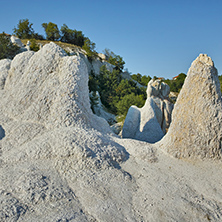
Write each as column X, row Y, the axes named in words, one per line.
column 197, row 117
column 152, row 121
column 59, row 162
column 4, row 68
column 16, row 41
column 100, row 110
column 102, row 56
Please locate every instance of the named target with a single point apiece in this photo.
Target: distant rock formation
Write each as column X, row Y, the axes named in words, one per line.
column 16, row 41
column 152, row 121
column 196, row 128
column 100, row 110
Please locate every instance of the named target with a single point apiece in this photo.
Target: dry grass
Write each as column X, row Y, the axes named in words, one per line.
column 61, row 44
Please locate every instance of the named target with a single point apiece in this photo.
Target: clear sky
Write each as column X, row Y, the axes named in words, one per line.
column 157, row 38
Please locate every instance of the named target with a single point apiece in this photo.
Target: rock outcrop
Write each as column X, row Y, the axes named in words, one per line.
column 196, row 128
column 152, row 121
column 4, row 68
column 60, row 162
column 17, row 41
column 99, row 109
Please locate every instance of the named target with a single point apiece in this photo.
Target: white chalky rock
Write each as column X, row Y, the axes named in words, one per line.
column 196, row 125
column 150, row 122
column 4, row 68
column 59, row 162
column 16, row 41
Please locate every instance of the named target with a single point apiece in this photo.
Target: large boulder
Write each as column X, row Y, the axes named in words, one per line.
column 17, row 41
column 152, row 121
column 196, row 128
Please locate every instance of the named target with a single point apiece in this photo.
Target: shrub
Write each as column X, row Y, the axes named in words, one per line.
column 34, row 46
column 7, row 49
column 128, row 100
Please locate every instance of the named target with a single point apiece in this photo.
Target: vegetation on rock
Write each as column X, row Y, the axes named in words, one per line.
column 143, row 80
column 52, row 31
column 117, row 94
column 7, row 49
column 177, row 83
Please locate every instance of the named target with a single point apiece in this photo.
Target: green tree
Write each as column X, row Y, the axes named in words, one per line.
column 137, row 77
column 72, row 36
column 24, row 29
column 89, row 47
column 7, row 49
column 143, row 80
column 52, row 31
column 128, row 100
column 114, row 59
column 176, row 84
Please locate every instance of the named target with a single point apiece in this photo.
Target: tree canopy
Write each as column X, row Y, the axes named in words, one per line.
column 113, row 89
column 52, row 31
column 143, row 80
column 176, row 84
column 114, row 59
column 72, row 36
column 24, row 29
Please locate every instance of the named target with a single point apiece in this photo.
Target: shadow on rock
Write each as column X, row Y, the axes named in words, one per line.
column 2, row 133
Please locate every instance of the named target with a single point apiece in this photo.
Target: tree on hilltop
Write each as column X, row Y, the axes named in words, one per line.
column 24, row 29
column 72, row 36
column 52, row 31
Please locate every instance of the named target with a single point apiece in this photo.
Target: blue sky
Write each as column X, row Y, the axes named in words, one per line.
column 156, row 38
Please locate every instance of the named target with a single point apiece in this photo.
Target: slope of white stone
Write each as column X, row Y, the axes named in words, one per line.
column 4, row 67
column 59, row 162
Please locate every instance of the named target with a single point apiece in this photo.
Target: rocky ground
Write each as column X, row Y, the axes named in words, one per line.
column 60, row 162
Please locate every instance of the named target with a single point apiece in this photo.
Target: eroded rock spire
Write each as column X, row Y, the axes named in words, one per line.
column 196, row 128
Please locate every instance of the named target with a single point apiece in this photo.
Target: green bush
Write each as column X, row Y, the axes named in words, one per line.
column 72, row 36
column 34, row 46
column 176, row 85
column 143, row 80
column 128, row 100
column 7, row 49
column 114, row 59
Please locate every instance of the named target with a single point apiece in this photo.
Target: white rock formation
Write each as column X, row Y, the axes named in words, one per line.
column 95, row 65
column 150, row 122
column 58, row 161
column 28, row 45
column 4, row 68
column 102, row 56
column 197, row 117
column 16, row 41
column 100, row 110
